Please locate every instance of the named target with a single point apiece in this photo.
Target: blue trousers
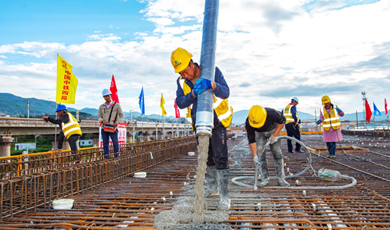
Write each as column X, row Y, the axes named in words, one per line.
column 106, row 141
column 331, row 148
column 293, row 131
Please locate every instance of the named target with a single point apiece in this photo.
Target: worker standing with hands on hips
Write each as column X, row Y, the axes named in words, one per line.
column 110, row 115
column 330, row 117
column 290, row 112
column 69, row 126
column 263, row 124
column 189, row 86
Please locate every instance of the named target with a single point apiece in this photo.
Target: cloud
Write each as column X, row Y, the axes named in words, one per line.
column 268, row 52
column 310, row 90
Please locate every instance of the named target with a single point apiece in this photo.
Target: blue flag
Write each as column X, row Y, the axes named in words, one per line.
column 142, row 102
column 376, row 110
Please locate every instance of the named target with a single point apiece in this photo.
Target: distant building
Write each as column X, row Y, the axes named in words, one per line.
column 236, row 131
column 25, row 146
column 86, row 142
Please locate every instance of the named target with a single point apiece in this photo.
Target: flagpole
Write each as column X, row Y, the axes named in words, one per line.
column 55, row 132
column 142, row 119
column 55, row 128
column 163, row 128
column 357, row 121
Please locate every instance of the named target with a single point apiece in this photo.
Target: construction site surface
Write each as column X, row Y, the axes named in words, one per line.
column 108, row 196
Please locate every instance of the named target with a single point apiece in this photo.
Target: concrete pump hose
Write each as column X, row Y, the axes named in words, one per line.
column 308, row 154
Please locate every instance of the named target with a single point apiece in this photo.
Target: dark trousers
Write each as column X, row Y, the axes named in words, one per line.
column 218, row 152
column 61, row 138
column 73, row 142
column 106, row 142
column 331, row 148
column 293, row 131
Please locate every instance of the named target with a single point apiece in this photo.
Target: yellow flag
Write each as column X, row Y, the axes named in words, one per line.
column 66, row 82
column 162, row 102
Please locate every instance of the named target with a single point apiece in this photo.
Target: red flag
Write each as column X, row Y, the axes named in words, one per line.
column 177, row 112
column 385, row 106
column 114, row 90
column 368, row 112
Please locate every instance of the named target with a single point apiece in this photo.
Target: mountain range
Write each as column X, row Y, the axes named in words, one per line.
column 15, row 106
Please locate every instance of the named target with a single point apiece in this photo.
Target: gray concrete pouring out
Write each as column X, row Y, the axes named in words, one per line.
column 164, row 199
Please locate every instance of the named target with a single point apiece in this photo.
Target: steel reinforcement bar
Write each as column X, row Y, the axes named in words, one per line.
column 73, row 174
column 28, row 164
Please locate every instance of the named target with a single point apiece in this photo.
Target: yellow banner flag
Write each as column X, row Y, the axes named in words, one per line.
column 66, row 82
column 162, row 102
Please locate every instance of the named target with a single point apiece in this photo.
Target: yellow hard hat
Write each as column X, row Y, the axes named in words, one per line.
column 180, row 59
column 257, row 116
column 325, row 99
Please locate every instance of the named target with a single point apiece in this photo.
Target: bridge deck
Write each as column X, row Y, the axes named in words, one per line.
column 133, row 203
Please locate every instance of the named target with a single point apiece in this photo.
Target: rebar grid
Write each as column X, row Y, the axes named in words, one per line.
column 27, row 192
column 23, row 165
column 132, row 203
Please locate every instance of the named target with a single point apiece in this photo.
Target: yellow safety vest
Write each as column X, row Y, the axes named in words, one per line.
column 330, row 120
column 72, row 127
column 287, row 114
column 221, row 107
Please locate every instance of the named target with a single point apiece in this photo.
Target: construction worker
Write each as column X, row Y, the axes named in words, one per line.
column 69, row 126
column 110, row 115
column 189, row 86
column 330, row 116
column 263, row 124
column 290, row 112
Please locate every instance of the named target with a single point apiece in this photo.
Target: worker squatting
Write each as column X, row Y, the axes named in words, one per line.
column 262, row 124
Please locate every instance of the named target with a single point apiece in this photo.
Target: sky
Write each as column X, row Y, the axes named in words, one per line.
column 268, row 51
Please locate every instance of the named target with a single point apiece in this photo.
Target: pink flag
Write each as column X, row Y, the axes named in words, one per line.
column 177, row 112
column 385, row 106
column 114, row 90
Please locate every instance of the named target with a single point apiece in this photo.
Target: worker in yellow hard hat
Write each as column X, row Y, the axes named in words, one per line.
column 263, row 124
column 330, row 117
column 189, row 86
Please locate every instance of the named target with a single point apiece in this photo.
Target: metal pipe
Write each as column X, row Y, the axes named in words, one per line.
column 205, row 111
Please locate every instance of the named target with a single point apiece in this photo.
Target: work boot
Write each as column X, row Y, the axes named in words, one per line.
column 264, row 174
column 211, row 182
column 279, row 169
column 223, row 186
column 106, row 156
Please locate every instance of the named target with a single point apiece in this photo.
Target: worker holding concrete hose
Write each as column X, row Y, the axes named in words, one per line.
column 69, row 126
column 265, row 124
column 189, row 86
column 290, row 112
column 330, row 117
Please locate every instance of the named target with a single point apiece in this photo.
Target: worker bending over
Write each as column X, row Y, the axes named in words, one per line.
column 189, row 86
column 263, row 124
column 290, row 112
column 69, row 126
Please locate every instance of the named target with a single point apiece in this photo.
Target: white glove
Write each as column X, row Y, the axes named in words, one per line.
column 273, row 139
column 256, row 159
